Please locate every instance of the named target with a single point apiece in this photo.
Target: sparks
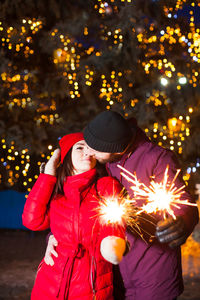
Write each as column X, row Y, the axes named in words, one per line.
column 115, row 209
column 159, row 196
column 111, row 211
column 121, row 210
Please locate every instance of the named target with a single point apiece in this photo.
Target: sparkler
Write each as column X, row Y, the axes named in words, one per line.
column 114, row 209
column 120, row 209
column 111, row 211
column 159, row 196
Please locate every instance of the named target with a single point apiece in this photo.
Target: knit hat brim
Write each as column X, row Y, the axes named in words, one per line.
column 101, row 145
column 108, row 132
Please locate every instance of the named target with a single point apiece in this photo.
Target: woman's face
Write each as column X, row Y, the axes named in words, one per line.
column 81, row 160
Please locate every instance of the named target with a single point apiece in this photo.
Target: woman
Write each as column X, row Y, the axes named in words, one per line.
column 83, row 267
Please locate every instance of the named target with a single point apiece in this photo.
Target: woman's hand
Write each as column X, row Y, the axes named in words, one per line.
column 51, row 165
column 50, row 251
column 112, row 249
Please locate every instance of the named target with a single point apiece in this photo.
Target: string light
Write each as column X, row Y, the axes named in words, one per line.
column 67, row 57
column 111, row 90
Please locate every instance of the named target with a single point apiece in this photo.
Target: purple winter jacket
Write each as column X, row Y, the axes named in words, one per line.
column 152, row 271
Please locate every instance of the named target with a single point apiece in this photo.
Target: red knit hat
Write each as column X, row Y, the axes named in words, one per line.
column 68, row 141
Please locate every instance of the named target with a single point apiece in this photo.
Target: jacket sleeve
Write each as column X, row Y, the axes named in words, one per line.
column 189, row 213
column 110, row 187
column 35, row 215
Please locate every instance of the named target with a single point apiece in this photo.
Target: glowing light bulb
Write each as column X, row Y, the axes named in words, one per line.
column 182, row 80
column 164, row 81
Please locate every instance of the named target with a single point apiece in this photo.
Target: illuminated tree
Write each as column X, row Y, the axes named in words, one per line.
column 62, row 62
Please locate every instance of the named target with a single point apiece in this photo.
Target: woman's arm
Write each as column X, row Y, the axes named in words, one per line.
column 35, row 215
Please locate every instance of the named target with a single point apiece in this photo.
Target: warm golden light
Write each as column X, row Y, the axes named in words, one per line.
column 111, row 211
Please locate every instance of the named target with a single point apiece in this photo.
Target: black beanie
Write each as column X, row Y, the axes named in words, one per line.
column 108, row 132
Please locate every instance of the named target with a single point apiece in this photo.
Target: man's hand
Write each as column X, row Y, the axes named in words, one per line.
column 51, row 165
column 52, row 243
column 172, row 231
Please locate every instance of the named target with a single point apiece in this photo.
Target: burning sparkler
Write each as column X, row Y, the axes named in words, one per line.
column 114, row 210
column 111, row 211
column 159, row 196
column 120, row 209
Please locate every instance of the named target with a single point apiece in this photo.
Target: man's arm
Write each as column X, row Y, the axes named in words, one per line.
column 175, row 231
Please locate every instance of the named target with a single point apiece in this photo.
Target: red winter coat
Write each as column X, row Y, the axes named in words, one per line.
column 79, row 271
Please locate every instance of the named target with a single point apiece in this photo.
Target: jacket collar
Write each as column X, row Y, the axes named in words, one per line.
column 79, row 181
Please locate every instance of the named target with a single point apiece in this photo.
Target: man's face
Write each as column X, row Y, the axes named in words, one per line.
column 104, row 157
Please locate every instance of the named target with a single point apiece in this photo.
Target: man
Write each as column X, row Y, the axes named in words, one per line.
column 150, row 271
